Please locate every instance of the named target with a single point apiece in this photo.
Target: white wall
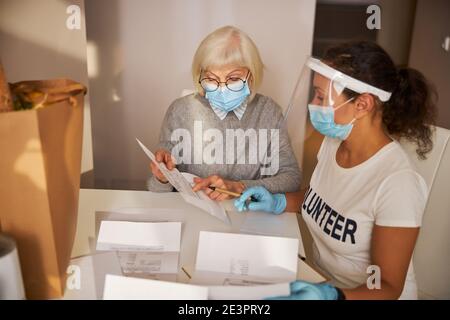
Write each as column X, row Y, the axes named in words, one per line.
column 36, row 44
column 397, row 19
column 145, row 50
column 431, row 26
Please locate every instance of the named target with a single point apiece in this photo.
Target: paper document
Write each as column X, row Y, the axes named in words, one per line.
column 142, row 263
column 173, row 176
column 139, row 236
column 256, row 292
column 127, row 288
column 224, row 258
column 204, row 202
column 184, row 182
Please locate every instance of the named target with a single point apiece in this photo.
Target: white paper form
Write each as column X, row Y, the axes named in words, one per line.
column 174, row 176
column 233, row 258
column 254, row 292
column 126, row 288
column 204, row 202
column 169, row 277
column 184, row 182
column 139, row 236
column 123, row 288
column 144, row 263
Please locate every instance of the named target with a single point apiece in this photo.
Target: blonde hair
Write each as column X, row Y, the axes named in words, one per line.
column 226, row 46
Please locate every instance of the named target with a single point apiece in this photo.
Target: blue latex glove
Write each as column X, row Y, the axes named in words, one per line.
column 301, row 290
column 265, row 201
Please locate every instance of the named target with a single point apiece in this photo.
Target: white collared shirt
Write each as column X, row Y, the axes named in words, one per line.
column 239, row 111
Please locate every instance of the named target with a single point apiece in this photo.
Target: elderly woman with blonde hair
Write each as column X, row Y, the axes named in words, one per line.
column 227, row 71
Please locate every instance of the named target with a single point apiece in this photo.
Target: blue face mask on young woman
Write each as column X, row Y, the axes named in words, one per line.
column 322, row 119
column 226, row 99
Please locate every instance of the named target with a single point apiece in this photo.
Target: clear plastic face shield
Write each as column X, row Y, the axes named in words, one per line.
column 325, row 88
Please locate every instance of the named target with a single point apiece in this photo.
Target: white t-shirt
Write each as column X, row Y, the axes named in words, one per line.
column 342, row 206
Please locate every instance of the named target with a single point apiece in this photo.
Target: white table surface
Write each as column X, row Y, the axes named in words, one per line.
column 194, row 220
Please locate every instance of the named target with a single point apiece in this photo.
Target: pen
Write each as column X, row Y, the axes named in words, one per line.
column 184, row 270
column 231, row 193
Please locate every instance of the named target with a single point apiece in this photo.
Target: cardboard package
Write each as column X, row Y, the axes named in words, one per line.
column 40, row 163
column 5, row 94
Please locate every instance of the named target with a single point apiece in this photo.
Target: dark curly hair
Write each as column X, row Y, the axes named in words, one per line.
column 411, row 110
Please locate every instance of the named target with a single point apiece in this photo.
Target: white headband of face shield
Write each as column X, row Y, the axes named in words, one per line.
column 342, row 81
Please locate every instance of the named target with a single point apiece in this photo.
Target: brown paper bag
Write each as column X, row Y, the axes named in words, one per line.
column 40, row 163
column 5, row 94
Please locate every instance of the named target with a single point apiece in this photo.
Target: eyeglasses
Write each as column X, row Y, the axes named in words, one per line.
column 234, row 84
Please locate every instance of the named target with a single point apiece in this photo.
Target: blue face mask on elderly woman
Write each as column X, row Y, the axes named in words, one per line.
column 227, row 97
column 227, row 100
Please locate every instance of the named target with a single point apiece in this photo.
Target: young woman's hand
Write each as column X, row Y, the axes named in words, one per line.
column 162, row 156
column 262, row 200
column 302, row 290
column 218, row 182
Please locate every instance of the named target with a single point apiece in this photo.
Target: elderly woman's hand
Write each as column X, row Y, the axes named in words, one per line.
column 162, row 156
column 218, row 182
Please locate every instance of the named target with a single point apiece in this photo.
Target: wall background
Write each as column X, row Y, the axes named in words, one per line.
column 431, row 27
